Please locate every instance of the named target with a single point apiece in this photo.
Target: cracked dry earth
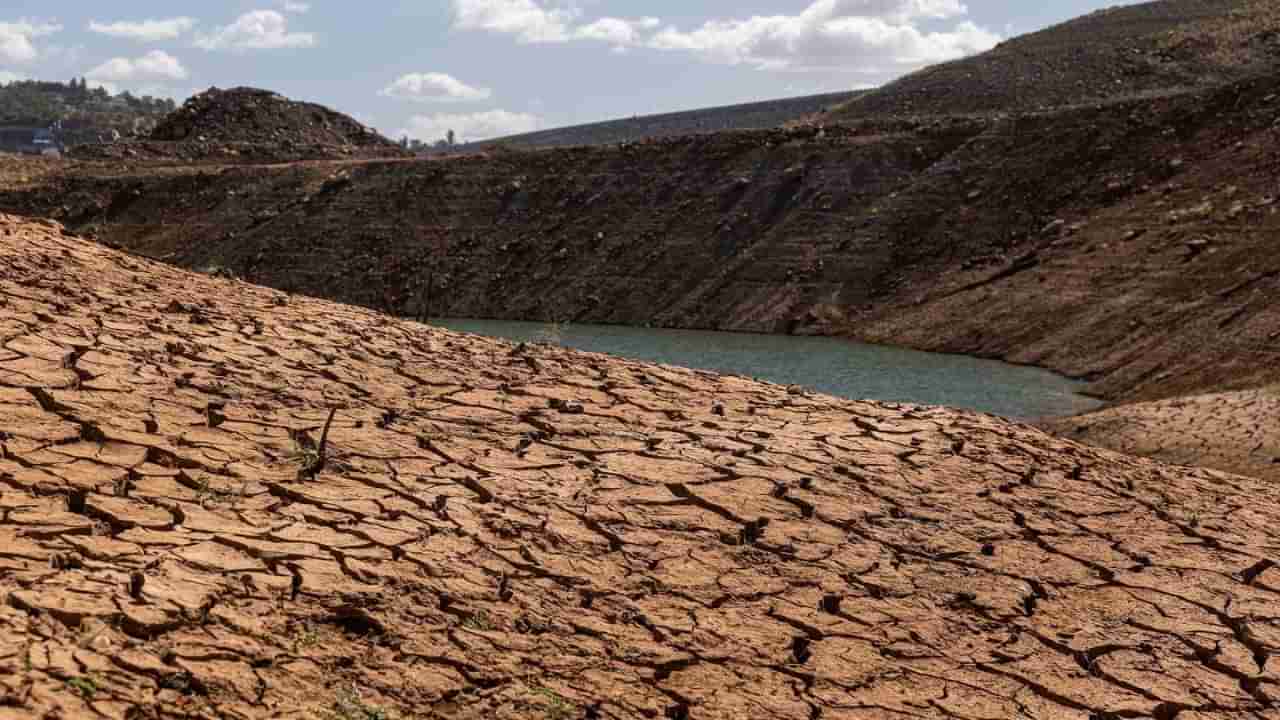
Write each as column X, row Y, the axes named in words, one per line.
column 1234, row 431
column 494, row 531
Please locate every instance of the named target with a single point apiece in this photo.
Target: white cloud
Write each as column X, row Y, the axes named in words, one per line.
column 863, row 35
column 872, row 36
column 470, row 127
column 16, row 39
column 145, row 30
column 298, row 8
column 526, row 19
column 256, row 30
column 619, row 32
column 532, row 21
column 434, row 87
column 156, row 65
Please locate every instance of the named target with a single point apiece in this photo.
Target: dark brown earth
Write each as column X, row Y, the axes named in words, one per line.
column 1136, row 50
column 492, row 531
column 249, row 125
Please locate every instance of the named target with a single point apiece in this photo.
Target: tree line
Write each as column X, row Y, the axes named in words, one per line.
column 75, row 106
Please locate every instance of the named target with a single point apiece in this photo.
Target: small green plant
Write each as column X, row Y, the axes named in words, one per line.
column 556, row 706
column 310, row 455
column 348, row 705
column 305, row 636
column 86, row 686
column 479, row 621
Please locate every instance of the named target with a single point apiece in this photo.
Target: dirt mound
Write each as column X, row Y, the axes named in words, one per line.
column 220, row 501
column 259, row 116
column 251, row 124
column 1145, row 49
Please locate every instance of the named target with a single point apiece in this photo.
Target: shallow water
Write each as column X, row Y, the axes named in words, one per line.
column 829, row 365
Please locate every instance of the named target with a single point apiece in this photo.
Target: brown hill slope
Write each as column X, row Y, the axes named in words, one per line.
column 1134, row 244
column 747, row 116
column 1150, row 48
column 488, row 531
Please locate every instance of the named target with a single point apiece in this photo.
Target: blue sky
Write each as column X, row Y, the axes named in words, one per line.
column 494, row 67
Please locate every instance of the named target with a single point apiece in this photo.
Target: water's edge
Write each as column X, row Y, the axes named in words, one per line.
column 834, row 366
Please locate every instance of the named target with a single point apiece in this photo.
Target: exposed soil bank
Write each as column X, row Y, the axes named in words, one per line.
column 1134, row 244
column 491, row 531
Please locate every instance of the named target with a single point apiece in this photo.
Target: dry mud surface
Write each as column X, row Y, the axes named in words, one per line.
column 1234, row 431
column 491, row 531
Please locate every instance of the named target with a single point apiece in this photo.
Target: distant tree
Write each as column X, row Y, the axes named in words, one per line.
column 451, row 139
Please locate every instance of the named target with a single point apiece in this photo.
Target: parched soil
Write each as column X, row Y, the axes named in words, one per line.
column 1235, row 431
column 496, row 531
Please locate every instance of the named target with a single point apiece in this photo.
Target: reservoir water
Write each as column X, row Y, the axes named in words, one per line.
column 829, row 365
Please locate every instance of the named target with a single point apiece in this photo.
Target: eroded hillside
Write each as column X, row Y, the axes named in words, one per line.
column 493, row 531
column 1134, row 244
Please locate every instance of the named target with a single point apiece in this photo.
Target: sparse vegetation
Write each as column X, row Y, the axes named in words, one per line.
column 85, row 685
column 348, row 705
column 304, row 636
column 479, row 621
column 555, row 705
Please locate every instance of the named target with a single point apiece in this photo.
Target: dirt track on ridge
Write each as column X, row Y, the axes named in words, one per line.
column 527, row 532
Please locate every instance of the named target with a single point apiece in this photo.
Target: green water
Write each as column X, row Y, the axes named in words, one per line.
column 828, row 365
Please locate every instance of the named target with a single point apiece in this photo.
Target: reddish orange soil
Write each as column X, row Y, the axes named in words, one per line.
column 1234, row 431
column 493, row 531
